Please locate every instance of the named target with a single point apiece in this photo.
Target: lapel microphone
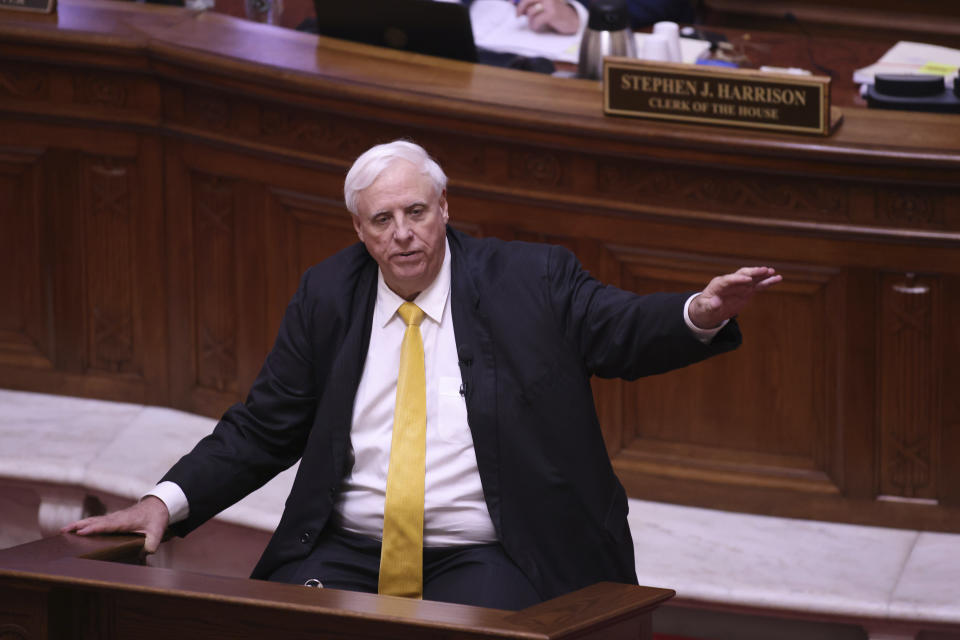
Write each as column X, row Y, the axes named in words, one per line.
column 465, row 355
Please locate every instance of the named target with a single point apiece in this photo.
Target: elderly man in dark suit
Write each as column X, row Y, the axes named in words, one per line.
column 436, row 388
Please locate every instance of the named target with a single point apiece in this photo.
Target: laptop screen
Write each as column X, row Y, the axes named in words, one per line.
column 420, row 26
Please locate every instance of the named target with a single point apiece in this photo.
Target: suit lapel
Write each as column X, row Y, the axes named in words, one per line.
column 477, row 365
column 345, row 376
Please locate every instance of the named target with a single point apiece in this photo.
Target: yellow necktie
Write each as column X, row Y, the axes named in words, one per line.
column 401, row 557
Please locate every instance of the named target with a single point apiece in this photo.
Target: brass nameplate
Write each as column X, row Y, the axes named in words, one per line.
column 711, row 95
column 38, row 6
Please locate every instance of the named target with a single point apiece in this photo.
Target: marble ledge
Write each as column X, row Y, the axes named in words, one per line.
column 713, row 556
column 117, row 448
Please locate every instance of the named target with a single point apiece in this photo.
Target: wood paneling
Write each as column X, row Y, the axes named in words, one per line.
column 166, row 177
column 762, row 415
column 24, row 335
column 215, row 257
column 909, row 386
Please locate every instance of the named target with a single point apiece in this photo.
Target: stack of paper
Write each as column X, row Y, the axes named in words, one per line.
column 913, row 58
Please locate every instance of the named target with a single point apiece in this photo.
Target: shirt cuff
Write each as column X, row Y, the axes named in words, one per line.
column 703, row 335
column 171, row 495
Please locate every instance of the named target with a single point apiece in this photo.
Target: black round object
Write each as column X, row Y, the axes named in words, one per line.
column 608, row 15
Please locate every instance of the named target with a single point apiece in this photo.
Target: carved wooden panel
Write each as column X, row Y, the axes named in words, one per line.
column 23, row 330
column 303, row 230
column 100, row 93
column 909, row 386
column 25, row 82
column 332, row 135
column 764, row 414
column 108, row 191
column 23, row 612
column 734, row 192
column 101, row 89
column 215, row 282
column 540, row 168
column 949, row 493
column 917, row 207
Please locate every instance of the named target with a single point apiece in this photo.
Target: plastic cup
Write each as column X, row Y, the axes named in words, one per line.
column 656, row 48
column 671, row 31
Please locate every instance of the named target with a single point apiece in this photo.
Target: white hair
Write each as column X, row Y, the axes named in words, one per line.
column 372, row 162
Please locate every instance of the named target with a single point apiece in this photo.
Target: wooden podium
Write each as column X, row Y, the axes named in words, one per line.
column 72, row 587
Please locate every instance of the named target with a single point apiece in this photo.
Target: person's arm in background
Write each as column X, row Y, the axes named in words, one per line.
column 553, row 15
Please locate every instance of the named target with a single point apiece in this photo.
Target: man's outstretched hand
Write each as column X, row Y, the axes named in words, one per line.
column 726, row 295
column 148, row 517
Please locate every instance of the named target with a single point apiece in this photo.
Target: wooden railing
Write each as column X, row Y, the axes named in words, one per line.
column 72, row 587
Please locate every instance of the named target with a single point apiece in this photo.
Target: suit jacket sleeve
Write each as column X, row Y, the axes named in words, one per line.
column 622, row 334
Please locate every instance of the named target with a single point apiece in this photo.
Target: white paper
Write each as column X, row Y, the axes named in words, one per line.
column 909, row 58
column 497, row 27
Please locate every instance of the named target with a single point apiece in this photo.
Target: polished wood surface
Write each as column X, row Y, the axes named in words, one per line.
column 930, row 21
column 64, row 587
column 165, row 177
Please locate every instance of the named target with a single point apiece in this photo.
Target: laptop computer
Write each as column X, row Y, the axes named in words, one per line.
column 420, row 26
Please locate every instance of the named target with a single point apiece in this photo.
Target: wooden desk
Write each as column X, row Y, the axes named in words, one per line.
column 930, row 21
column 71, row 587
column 166, row 176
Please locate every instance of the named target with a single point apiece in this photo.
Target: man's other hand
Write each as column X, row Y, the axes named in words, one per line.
column 148, row 517
column 550, row 15
column 726, row 295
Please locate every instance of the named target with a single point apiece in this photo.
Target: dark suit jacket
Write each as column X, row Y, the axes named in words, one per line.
column 532, row 328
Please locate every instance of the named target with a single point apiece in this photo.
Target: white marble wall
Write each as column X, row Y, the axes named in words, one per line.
column 798, row 565
column 116, row 448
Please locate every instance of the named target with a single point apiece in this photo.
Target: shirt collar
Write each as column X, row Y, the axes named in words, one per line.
column 431, row 300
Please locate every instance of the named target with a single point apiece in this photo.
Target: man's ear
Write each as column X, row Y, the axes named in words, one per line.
column 357, row 226
column 443, row 206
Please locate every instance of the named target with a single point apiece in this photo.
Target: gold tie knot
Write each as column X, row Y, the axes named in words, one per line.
column 411, row 314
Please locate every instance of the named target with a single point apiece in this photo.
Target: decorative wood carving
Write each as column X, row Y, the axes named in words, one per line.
column 537, row 168
column 24, row 84
column 110, row 276
column 909, row 386
column 99, row 89
column 735, row 192
column 215, row 282
column 304, row 229
column 338, row 137
column 207, row 110
column 910, row 208
column 345, row 138
column 23, row 334
column 13, row 632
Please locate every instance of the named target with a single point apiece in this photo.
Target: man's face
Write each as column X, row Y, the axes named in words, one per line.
column 402, row 222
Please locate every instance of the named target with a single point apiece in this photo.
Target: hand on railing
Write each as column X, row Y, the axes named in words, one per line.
column 149, row 517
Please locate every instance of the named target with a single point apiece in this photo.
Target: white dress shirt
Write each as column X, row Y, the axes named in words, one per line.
column 455, row 512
